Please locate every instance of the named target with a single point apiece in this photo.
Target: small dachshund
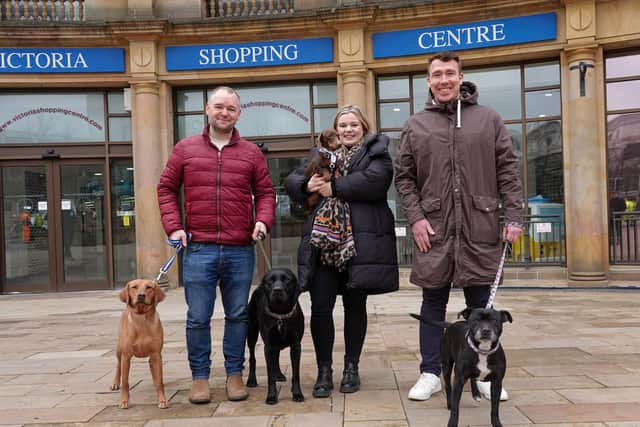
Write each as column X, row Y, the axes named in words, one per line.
column 323, row 163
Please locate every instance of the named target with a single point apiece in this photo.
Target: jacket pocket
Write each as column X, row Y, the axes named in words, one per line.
column 484, row 219
column 432, row 210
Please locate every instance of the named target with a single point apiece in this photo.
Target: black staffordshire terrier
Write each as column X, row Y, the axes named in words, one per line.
column 275, row 313
column 473, row 349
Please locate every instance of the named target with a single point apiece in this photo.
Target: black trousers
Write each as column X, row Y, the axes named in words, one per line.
column 327, row 284
column 434, row 306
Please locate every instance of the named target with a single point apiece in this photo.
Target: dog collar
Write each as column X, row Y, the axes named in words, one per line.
column 333, row 159
column 477, row 350
column 289, row 315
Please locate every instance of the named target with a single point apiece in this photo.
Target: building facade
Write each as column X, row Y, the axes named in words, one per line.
column 94, row 94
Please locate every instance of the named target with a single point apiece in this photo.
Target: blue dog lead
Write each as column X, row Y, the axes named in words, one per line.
column 175, row 244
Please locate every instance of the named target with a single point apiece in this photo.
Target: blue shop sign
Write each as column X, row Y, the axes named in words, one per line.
column 256, row 54
column 63, row 60
column 474, row 35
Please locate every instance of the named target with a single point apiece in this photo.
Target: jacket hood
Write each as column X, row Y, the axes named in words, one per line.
column 468, row 95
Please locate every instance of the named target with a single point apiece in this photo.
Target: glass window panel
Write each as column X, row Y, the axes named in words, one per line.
column 623, row 95
column 542, row 103
column 323, row 118
column 190, row 125
column 123, row 220
column 544, row 160
column 275, row 110
column 393, row 115
column 546, row 74
column 515, row 131
column 325, row 93
column 119, row 129
column 420, row 90
column 51, row 117
column 623, row 66
column 115, row 102
column 189, row 100
column 83, row 234
column 26, row 229
column 393, row 87
column 290, row 215
column 499, row 88
column 623, row 152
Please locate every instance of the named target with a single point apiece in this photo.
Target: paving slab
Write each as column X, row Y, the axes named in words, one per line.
column 571, row 362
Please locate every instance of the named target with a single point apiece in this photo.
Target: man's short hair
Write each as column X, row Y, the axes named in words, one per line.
column 445, row 56
column 226, row 89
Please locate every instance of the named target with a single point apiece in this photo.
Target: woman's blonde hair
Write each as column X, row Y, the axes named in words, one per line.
column 355, row 110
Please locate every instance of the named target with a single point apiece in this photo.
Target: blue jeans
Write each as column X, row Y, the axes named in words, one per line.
column 203, row 266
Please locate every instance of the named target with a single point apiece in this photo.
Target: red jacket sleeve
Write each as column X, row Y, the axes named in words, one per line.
column 169, row 191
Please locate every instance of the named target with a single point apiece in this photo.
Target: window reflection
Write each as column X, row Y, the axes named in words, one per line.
column 546, row 74
column 123, row 221
column 499, row 88
column 544, row 160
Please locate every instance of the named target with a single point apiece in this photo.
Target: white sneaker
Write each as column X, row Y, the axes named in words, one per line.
column 484, row 387
column 426, row 385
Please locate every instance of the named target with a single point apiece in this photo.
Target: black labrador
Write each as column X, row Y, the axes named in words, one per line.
column 275, row 313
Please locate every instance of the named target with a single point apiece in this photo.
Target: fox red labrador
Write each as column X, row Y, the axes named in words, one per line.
column 140, row 334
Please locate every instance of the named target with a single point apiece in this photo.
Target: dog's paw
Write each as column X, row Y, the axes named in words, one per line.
column 476, row 397
column 271, row 400
column 298, row 397
column 280, row 377
column 251, row 382
column 124, row 404
column 163, row 404
column 115, row 386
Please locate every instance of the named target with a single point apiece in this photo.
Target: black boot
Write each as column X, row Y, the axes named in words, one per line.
column 324, row 383
column 350, row 378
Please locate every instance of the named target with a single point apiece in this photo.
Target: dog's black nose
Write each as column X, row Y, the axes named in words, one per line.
column 140, row 297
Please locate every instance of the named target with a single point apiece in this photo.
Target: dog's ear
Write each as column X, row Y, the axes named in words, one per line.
column 158, row 294
column 124, row 294
column 465, row 313
column 506, row 316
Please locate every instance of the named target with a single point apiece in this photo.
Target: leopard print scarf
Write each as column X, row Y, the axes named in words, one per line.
column 331, row 231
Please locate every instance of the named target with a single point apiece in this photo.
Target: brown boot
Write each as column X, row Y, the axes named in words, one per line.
column 200, row 391
column 235, row 388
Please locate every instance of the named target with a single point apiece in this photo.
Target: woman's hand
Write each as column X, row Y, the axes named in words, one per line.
column 318, row 184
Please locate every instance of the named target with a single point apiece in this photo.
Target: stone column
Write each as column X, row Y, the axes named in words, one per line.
column 152, row 250
column 354, row 88
column 584, row 168
column 352, row 75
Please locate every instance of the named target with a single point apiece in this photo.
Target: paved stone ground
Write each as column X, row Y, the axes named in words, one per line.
column 574, row 360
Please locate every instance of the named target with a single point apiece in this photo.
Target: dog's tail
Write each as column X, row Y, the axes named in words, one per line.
column 435, row 323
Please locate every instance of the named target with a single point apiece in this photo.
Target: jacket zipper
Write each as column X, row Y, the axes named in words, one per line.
column 218, row 185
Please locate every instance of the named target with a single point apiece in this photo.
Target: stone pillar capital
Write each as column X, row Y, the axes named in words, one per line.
column 354, row 75
column 145, row 87
column 582, row 54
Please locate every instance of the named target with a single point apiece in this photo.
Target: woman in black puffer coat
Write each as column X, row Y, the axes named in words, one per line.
column 369, row 264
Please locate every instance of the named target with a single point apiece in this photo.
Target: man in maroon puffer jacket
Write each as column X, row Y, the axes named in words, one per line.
column 229, row 202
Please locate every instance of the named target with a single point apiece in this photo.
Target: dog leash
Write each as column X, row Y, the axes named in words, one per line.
column 261, row 237
column 494, row 287
column 177, row 243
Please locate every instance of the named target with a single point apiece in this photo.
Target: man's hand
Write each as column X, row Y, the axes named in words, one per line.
column 511, row 233
column 259, row 231
column 422, row 231
column 179, row 235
